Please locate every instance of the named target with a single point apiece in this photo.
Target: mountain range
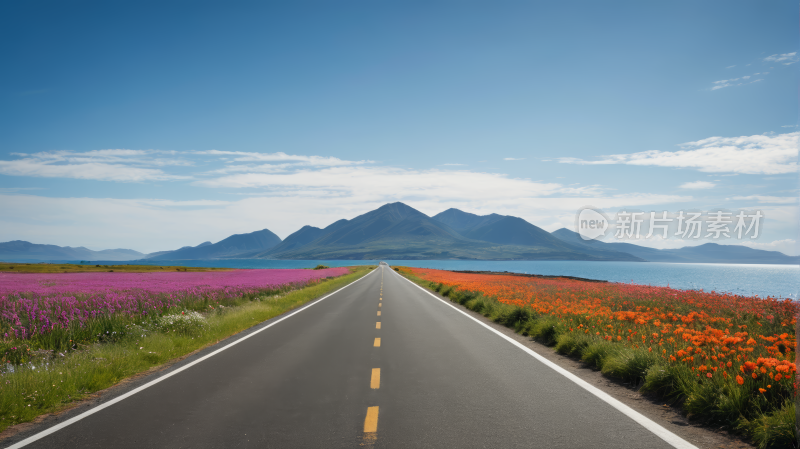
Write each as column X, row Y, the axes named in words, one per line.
column 397, row 231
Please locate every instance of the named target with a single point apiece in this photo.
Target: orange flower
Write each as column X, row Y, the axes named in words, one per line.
column 692, row 328
column 762, row 391
column 709, row 375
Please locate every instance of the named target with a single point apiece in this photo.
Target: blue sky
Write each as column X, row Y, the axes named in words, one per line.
column 156, row 125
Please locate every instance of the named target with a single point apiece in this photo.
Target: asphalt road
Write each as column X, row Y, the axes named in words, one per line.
column 320, row 378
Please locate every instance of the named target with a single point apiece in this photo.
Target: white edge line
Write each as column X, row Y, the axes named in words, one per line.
column 647, row 423
column 94, row 410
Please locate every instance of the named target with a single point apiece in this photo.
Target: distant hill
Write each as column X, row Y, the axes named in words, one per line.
column 706, row 253
column 508, row 230
column 233, row 245
column 158, row 253
column 22, row 250
column 298, row 239
column 397, row 231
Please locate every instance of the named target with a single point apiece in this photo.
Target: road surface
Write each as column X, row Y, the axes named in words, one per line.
column 380, row 363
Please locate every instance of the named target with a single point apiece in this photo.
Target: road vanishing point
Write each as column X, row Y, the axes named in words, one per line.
column 378, row 363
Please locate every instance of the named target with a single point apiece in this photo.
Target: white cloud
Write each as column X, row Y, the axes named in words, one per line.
column 730, row 66
column 733, row 81
column 453, row 165
column 95, row 171
column 262, row 168
column 388, row 181
column 788, row 126
column 759, row 154
column 698, row 185
column 785, row 58
column 101, row 165
column 513, row 158
column 768, row 199
column 786, row 246
column 243, row 156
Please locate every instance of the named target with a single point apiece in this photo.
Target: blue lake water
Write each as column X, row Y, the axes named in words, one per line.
column 763, row 280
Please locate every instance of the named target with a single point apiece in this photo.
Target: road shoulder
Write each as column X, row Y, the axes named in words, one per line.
column 670, row 418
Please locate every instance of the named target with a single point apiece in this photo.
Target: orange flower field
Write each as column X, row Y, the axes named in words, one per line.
column 743, row 342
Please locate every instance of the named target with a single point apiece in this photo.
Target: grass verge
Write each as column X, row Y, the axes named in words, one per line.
column 53, row 384
column 714, row 404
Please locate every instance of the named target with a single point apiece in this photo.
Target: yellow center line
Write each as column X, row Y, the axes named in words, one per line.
column 371, row 421
column 377, row 342
column 375, row 382
column 379, row 313
column 378, row 325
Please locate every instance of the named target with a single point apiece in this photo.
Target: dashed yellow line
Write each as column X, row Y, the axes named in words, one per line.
column 378, row 325
column 379, row 313
column 379, row 304
column 377, row 342
column 375, row 382
column 371, row 421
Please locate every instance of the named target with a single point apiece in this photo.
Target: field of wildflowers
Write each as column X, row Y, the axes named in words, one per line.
column 725, row 359
column 62, row 311
column 68, row 335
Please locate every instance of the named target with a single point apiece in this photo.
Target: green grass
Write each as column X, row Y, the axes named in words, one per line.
column 33, row 390
column 713, row 404
column 90, row 267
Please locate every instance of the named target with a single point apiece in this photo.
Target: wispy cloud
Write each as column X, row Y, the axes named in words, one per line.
column 786, row 246
column 759, row 154
column 697, row 185
column 18, row 189
column 731, row 66
column 513, row 158
column 741, row 81
column 785, row 58
column 102, row 165
column 764, row 199
column 243, row 156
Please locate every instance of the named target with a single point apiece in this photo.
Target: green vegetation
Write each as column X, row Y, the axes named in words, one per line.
column 321, row 267
column 638, row 368
column 50, row 381
column 78, row 268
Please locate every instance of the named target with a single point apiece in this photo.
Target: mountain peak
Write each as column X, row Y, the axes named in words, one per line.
column 462, row 221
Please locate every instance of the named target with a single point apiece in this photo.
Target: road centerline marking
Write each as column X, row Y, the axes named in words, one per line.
column 379, row 313
column 378, row 325
column 375, row 381
column 377, row 343
column 371, row 421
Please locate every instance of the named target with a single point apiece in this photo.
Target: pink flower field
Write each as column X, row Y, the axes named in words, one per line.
column 33, row 304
